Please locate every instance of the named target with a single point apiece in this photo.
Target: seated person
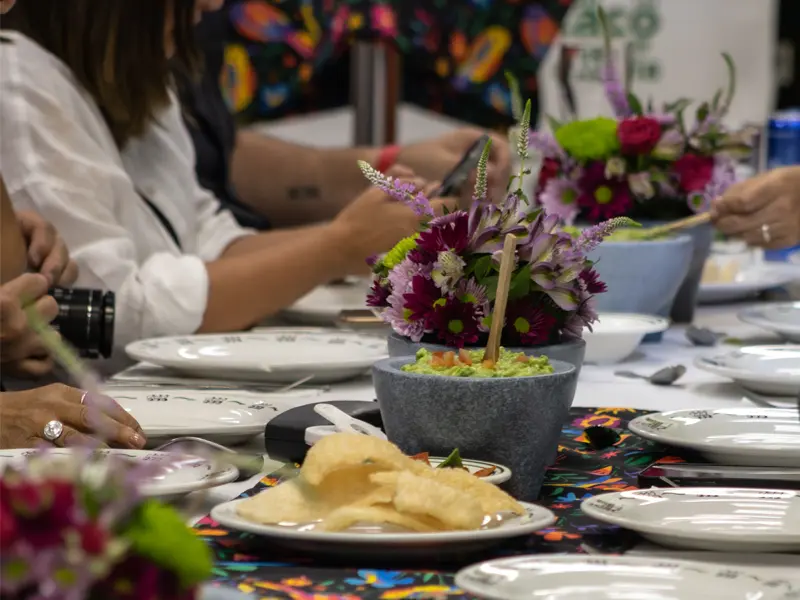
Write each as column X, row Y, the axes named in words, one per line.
column 764, row 210
column 269, row 182
column 93, row 141
column 31, row 243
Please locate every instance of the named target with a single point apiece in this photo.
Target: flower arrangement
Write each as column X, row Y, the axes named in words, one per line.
column 440, row 284
column 644, row 163
column 74, row 527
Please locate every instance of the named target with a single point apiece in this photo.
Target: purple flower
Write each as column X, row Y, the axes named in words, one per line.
column 615, row 92
column 591, row 237
column 401, row 276
column 401, row 320
column 378, row 296
column 450, row 232
column 722, row 177
column 591, row 281
column 579, row 320
column 546, row 144
column 559, row 198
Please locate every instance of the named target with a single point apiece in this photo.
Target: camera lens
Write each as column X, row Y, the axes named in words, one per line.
column 86, row 320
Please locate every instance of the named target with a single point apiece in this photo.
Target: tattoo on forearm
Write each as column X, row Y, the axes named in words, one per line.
column 304, row 192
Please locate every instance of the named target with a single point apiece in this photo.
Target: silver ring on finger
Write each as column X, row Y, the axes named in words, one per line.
column 765, row 234
column 53, row 430
column 83, row 397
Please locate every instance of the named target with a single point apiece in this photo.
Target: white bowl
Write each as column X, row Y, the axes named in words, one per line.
column 617, row 335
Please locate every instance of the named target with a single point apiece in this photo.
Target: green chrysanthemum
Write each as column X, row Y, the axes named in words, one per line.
column 592, row 139
column 397, row 254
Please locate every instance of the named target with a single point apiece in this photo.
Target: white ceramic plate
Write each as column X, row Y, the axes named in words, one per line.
column 501, row 474
column 224, row 417
column 747, row 283
column 782, row 318
column 323, row 305
column 282, row 356
column 381, row 543
column 617, row 335
column 762, row 437
column 575, row 577
column 715, row 518
column 175, row 475
column 770, row 370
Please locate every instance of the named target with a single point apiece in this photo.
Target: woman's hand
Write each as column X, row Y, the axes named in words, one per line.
column 83, row 416
column 47, row 252
column 763, row 211
column 374, row 222
column 21, row 352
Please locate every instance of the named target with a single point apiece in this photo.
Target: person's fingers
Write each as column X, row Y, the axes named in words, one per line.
column 430, row 188
column 440, row 204
column 72, row 438
column 27, row 345
column 56, row 261
column 69, row 275
column 41, row 237
column 734, row 225
column 26, row 288
column 110, row 407
column 400, row 171
column 748, row 197
column 47, row 308
column 91, row 420
column 778, row 235
column 32, row 368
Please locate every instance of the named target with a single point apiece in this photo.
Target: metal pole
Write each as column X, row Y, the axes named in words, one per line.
column 369, row 77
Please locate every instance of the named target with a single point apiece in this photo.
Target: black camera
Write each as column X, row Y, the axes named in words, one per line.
column 86, row 320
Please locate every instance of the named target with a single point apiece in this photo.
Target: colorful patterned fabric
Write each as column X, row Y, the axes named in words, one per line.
column 282, row 52
column 245, row 562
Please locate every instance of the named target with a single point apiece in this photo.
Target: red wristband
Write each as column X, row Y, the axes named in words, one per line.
column 387, row 157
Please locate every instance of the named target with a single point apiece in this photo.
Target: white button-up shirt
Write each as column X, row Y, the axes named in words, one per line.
column 57, row 157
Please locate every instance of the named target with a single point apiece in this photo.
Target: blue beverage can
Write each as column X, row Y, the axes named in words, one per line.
column 783, row 139
column 783, row 150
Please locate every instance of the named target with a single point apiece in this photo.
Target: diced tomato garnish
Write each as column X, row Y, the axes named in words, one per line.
column 437, row 354
column 449, row 359
column 437, row 361
column 464, row 357
column 485, row 472
column 522, row 358
column 488, row 364
column 422, row 457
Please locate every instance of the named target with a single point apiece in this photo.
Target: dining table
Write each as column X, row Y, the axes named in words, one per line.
column 260, row 570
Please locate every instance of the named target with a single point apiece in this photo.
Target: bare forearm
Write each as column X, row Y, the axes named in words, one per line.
column 249, row 284
column 13, row 252
column 293, row 184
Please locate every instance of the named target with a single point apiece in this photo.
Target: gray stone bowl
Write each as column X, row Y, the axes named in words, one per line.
column 571, row 352
column 514, row 421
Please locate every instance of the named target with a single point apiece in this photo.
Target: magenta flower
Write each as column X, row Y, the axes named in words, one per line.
column 602, row 198
column 420, row 302
column 529, row 324
column 449, row 232
column 378, row 295
column 456, row 323
column 560, row 197
column 591, row 280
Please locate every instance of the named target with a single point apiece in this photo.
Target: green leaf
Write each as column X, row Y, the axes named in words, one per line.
column 636, row 106
column 491, row 286
column 715, row 100
column 483, row 267
column 731, row 83
column 452, row 462
column 520, row 283
column 516, row 95
column 702, row 112
column 677, row 106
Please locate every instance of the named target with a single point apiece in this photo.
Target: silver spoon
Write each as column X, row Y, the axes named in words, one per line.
column 702, row 336
column 665, row 376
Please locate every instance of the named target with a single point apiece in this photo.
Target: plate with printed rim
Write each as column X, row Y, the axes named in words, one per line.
column 175, row 475
column 323, row 305
column 576, row 577
column 374, row 542
column 781, row 317
column 224, row 417
column 770, row 370
column 705, row 518
column 758, row 437
column 280, row 355
column 746, row 283
column 500, row 475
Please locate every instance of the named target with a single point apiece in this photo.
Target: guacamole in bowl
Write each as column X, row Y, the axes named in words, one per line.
column 470, row 363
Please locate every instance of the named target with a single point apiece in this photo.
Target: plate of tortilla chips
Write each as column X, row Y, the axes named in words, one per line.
column 360, row 495
column 488, row 471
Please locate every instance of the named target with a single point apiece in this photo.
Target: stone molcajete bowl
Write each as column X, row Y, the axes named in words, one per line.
column 514, row 421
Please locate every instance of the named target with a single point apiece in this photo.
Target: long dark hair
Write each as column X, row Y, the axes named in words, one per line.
column 115, row 49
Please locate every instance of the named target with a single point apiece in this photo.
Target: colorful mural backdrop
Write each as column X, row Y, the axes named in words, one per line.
column 455, row 51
